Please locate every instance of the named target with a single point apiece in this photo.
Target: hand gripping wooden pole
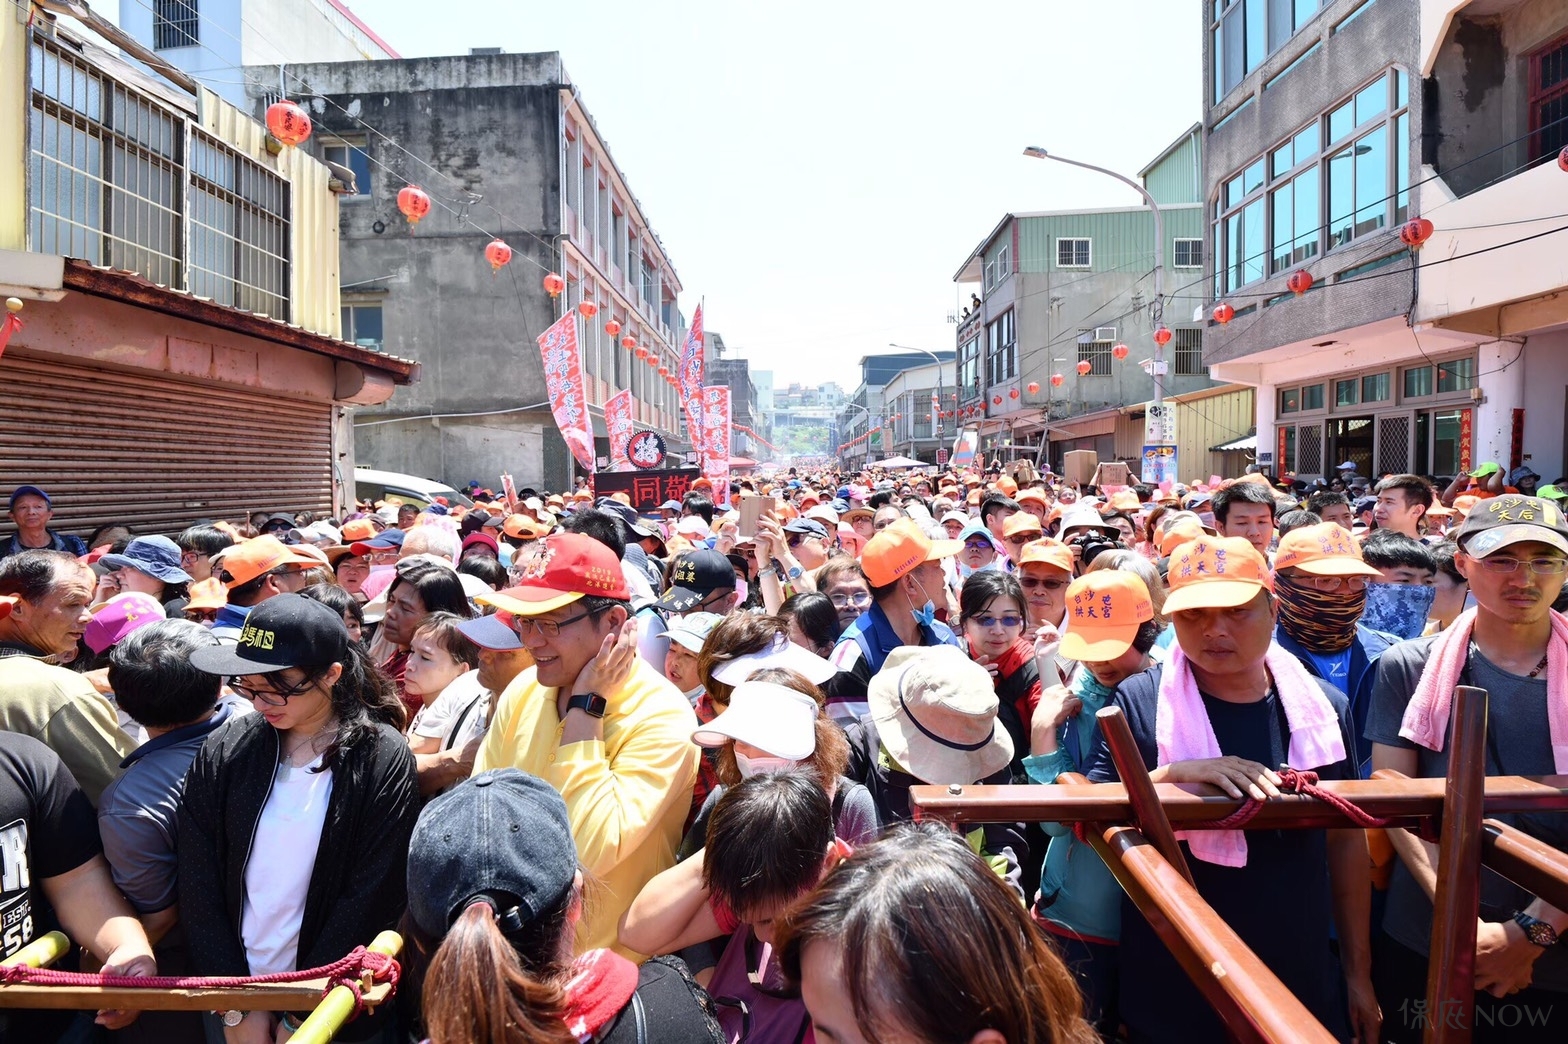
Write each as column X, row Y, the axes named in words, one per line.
column 1450, row 977
column 336, row 1007
column 1147, row 812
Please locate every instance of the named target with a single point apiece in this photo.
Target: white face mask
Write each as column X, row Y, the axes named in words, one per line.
column 761, row 766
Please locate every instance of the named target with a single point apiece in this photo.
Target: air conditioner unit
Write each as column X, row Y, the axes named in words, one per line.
column 1105, row 333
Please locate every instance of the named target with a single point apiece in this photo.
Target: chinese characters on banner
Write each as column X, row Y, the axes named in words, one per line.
column 618, row 424
column 648, row 489
column 1466, row 439
column 563, row 382
column 690, row 374
column 715, row 428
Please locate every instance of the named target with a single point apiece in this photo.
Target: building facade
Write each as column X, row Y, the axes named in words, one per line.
column 1054, row 289
column 911, row 430
column 1327, row 130
column 181, row 354
column 862, row 425
column 505, row 147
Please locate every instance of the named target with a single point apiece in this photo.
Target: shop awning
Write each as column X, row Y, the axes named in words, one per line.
column 1248, row 443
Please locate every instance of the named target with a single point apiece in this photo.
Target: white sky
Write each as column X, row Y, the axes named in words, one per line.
column 819, row 170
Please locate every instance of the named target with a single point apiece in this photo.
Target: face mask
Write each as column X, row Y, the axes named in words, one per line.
column 742, row 590
column 761, row 766
column 925, row 616
column 1399, row 609
column 1322, row 621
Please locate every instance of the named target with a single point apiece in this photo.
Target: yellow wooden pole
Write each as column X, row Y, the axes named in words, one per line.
column 335, row 1008
column 42, row 951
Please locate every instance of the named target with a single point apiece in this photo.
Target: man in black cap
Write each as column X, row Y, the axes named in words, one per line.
column 31, row 510
column 700, row 581
column 808, row 542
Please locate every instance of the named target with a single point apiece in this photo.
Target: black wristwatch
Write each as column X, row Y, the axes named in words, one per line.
column 1536, row 930
column 590, row 702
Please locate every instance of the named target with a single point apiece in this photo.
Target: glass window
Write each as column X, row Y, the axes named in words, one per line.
column 1345, row 392
column 1446, row 442
column 1401, row 89
column 1456, row 375
column 1304, row 11
column 1252, row 178
column 351, row 155
column 1418, row 382
column 1287, row 446
column 1341, row 197
column 1281, row 160
column 1341, row 121
column 1372, row 182
column 1374, row 388
column 1402, row 169
column 1290, row 400
column 1371, row 101
column 1295, row 214
column 1312, row 397
column 1257, row 32
column 1305, row 144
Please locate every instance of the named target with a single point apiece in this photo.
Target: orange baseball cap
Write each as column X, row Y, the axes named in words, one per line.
column 1047, row 551
column 1465, row 503
column 1105, row 608
column 974, row 496
column 1020, row 522
column 522, row 527
column 1034, row 493
column 359, row 529
column 1007, row 485
column 246, row 561
column 1216, row 573
column 1178, row 533
column 899, row 548
column 1125, row 500
column 1322, row 550
column 566, row 567
column 207, row 594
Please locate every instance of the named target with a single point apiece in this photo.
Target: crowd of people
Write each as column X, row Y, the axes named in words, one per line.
column 642, row 772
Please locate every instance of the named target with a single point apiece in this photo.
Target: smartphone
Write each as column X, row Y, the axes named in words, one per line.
column 752, row 508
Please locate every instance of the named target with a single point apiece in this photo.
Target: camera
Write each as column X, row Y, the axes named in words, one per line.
column 1091, row 545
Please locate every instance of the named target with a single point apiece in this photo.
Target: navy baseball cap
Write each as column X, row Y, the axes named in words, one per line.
column 22, row 491
column 694, row 576
column 501, row 837
column 383, row 540
column 808, row 526
column 287, row 630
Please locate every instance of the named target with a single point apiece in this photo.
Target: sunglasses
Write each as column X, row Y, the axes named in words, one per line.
column 1030, row 583
column 978, row 545
column 988, row 622
column 271, row 697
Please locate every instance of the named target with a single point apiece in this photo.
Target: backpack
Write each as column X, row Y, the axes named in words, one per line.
column 669, row 1007
column 754, row 1007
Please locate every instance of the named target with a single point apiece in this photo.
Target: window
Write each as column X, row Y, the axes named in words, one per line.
column 998, row 268
column 1189, row 253
column 1001, row 350
column 1418, row 382
column 1456, row 375
column 1096, row 353
column 239, row 230
column 969, row 369
column 1290, row 400
column 1073, row 253
column 1242, row 33
column 1312, row 397
column 350, row 153
column 362, row 325
column 175, row 24
column 1189, row 353
column 1374, row 388
column 1548, row 100
column 1270, row 217
column 1345, row 392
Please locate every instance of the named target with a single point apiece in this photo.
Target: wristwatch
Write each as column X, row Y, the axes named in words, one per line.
column 590, row 702
column 1536, row 930
column 232, row 1017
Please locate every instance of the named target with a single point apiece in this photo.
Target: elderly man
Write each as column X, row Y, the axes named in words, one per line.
column 1513, row 550
column 31, row 510
column 46, row 595
column 1246, row 706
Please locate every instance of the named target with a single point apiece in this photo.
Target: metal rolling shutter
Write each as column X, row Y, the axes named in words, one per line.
column 155, row 451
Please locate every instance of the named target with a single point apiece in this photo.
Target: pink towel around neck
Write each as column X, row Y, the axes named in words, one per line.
column 1182, row 732
column 1426, row 717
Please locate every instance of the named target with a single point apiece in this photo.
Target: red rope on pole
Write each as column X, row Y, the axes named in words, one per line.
column 1298, row 781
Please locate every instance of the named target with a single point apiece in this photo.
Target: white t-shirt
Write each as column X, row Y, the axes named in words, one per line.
column 461, row 713
column 282, row 856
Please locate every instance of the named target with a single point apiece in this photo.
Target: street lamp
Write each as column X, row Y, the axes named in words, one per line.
column 936, row 418
column 1158, row 368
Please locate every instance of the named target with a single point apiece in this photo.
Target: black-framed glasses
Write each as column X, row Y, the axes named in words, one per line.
column 1025, row 537
column 1538, row 566
column 271, row 697
column 524, row 625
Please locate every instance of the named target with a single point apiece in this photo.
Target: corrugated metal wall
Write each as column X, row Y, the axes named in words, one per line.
column 155, row 452
column 1122, row 239
column 1178, row 178
column 1202, row 420
column 313, row 215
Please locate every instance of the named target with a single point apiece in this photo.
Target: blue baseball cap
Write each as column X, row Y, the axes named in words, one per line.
column 383, row 540
column 22, row 491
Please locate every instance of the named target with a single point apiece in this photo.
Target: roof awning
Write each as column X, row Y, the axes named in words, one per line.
column 1248, row 443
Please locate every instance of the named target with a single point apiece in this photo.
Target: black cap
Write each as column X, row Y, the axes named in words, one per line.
column 501, row 837
column 628, row 517
column 808, row 526
column 287, row 630
column 694, row 576
column 1497, row 522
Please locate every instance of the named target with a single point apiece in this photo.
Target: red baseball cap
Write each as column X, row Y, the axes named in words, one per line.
column 566, row 567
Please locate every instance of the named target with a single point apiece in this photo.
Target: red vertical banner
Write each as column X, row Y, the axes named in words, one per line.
column 1516, row 441
column 1466, row 439
column 563, row 382
column 1281, row 464
column 618, row 425
column 690, row 380
column 715, row 408
column 8, row 326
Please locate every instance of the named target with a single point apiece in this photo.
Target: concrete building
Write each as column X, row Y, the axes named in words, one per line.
column 735, row 374
column 1055, row 288
column 907, row 398
column 505, row 147
column 213, row 40
column 1320, row 132
column 181, row 356
column 866, row 411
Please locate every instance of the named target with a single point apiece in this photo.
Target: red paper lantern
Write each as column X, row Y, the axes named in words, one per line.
column 638, row 350
column 554, row 284
column 1223, row 313
column 498, row 254
column 587, row 309
column 1084, row 367
column 628, row 342
column 1562, row 158
column 1162, row 336
column 287, row 122
column 1120, row 351
column 1057, row 380
column 996, row 400
column 1034, row 387
column 413, row 202
column 1414, row 233
column 612, row 328
column 1300, row 281
column 664, row 371
column 1012, row 393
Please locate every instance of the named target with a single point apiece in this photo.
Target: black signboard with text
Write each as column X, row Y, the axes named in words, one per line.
column 647, row 489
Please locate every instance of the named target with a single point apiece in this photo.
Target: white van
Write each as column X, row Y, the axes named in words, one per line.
column 373, row 485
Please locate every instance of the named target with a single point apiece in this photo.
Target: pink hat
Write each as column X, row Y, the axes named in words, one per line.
column 115, row 619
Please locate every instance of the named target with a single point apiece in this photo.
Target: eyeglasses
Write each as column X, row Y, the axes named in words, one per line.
column 1025, row 537
column 1029, row 583
column 988, row 622
column 1538, row 566
column 978, row 545
column 274, row 697
column 858, row 600
column 1330, row 583
column 525, row 625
